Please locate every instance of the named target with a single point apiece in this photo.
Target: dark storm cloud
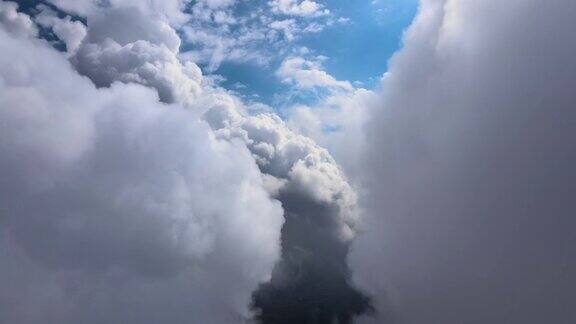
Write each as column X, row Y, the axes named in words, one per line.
column 471, row 167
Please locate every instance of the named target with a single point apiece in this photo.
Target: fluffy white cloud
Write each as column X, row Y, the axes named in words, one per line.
column 305, row 8
column 308, row 74
column 143, row 50
column 119, row 208
column 298, row 163
column 470, row 167
column 337, row 123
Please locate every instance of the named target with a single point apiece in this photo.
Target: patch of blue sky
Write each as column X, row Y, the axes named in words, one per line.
column 357, row 50
column 255, row 82
column 360, row 49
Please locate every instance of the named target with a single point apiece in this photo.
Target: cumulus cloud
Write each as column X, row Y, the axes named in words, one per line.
column 304, row 8
column 321, row 217
column 297, row 162
column 119, row 208
column 308, row 74
column 142, row 50
column 337, row 123
column 470, row 167
column 70, row 32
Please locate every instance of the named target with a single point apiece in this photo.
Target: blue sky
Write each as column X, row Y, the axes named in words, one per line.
column 243, row 43
column 359, row 51
column 355, row 42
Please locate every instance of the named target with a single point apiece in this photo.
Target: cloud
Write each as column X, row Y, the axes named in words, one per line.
column 308, row 74
column 70, row 32
column 321, row 217
column 213, row 46
column 288, row 27
column 304, row 8
column 336, row 122
column 143, row 50
column 15, row 22
column 221, row 34
column 117, row 207
column 469, row 166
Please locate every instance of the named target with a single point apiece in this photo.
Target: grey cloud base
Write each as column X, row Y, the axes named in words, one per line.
column 470, row 167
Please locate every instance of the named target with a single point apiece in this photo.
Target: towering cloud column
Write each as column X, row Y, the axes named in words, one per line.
column 311, row 282
column 471, row 167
